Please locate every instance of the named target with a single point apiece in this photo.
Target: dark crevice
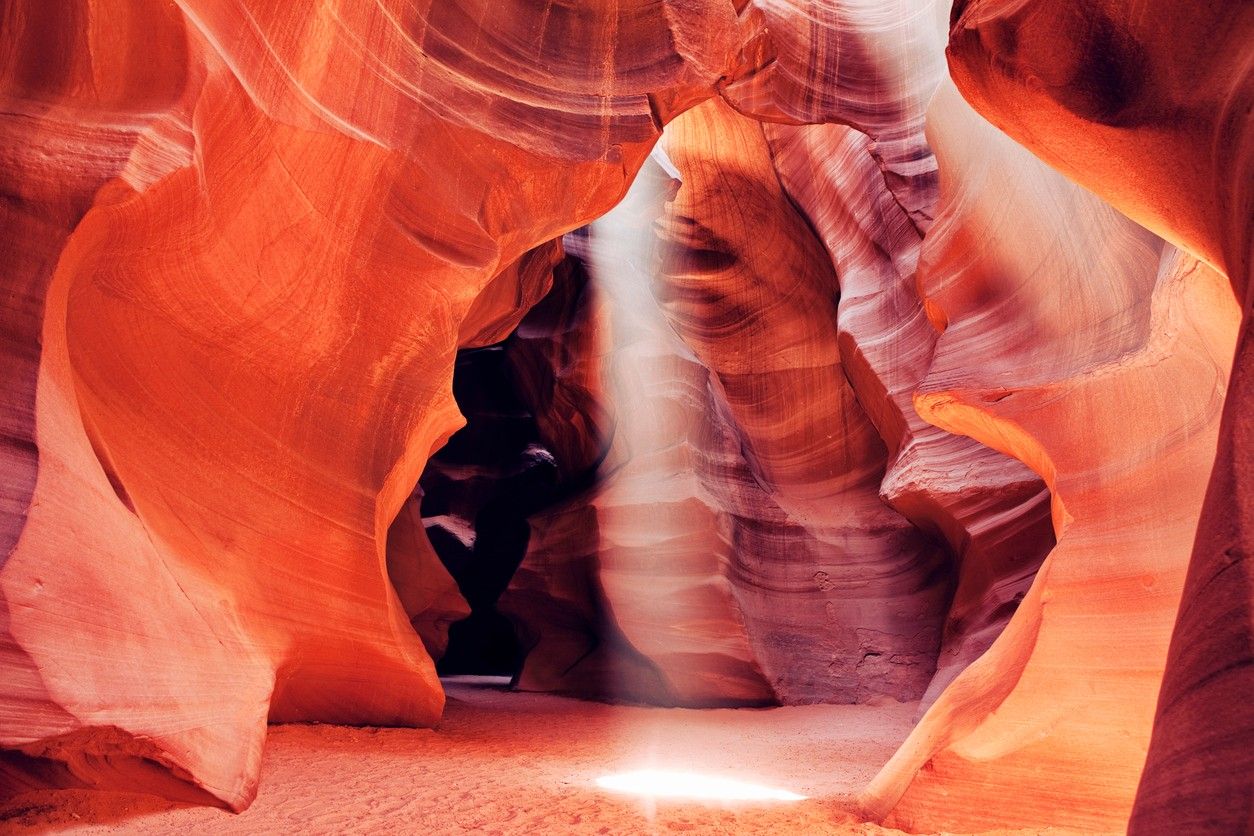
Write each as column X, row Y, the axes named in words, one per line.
column 494, row 473
column 478, row 492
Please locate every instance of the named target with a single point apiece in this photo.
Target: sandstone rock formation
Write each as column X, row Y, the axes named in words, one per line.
column 1151, row 109
column 973, row 267
column 229, row 373
column 1106, row 594
column 750, row 289
column 990, row 510
column 625, row 592
column 868, row 186
column 771, row 466
column 986, row 266
column 826, row 386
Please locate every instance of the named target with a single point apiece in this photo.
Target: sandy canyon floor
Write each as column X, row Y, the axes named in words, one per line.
column 505, row 763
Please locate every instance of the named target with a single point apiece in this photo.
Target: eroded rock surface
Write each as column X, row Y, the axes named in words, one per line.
column 1104, row 599
column 741, row 489
column 823, row 390
column 1151, row 109
column 843, row 598
column 256, row 243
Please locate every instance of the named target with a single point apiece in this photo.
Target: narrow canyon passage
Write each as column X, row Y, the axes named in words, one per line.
column 836, row 397
column 670, row 446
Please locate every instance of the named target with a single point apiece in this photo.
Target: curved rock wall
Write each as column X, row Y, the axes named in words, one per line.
column 247, row 240
column 244, row 350
column 749, row 288
column 868, row 186
column 1150, row 108
column 625, row 591
column 991, row 510
column 1023, row 721
column 760, row 455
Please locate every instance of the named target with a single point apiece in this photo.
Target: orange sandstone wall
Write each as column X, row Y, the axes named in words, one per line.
column 235, row 331
column 1149, row 106
column 246, row 241
column 1110, row 389
column 735, row 548
column 844, row 599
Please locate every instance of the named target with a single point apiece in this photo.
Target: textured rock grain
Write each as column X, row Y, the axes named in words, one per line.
column 1150, row 108
column 255, row 247
column 844, row 378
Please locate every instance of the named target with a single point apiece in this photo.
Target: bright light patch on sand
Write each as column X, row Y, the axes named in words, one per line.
column 662, row 783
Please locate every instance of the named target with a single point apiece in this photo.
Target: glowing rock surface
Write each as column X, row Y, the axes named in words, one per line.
column 1151, row 109
column 885, row 406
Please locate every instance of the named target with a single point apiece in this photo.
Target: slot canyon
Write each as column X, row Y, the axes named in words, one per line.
column 647, row 416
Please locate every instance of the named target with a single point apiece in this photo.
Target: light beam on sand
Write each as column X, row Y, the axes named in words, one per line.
column 662, row 783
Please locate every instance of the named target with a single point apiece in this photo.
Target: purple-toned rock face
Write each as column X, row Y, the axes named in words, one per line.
column 787, row 378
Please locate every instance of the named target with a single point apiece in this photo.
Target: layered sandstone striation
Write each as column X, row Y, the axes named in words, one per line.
column 798, row 421
column 1151, row 109
column 740, row 495
column 1124, row 504
column 248, row 257
column 625, row 589
column 989, row 509
column 868, row 186
column 749, row 288
column 1022, row 284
